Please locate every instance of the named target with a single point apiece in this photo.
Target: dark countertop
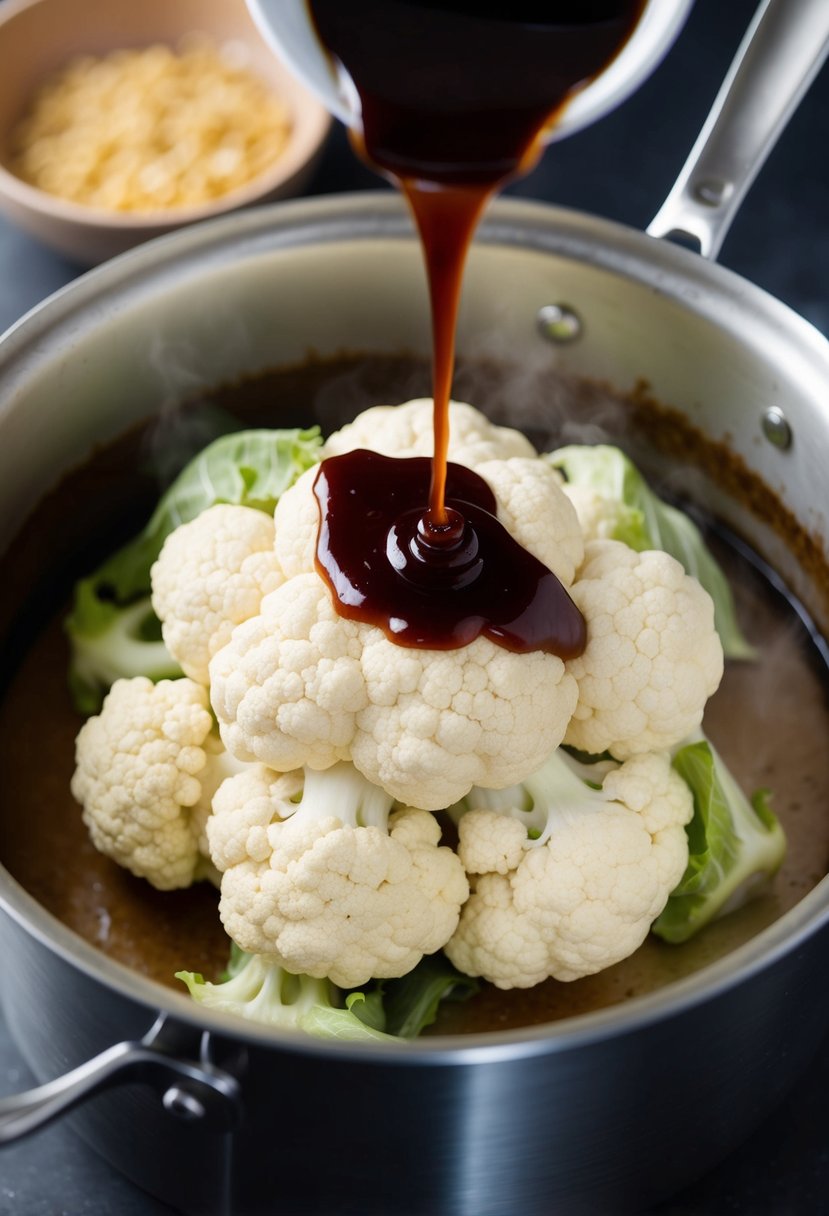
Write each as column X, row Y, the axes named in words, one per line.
column 621, row 168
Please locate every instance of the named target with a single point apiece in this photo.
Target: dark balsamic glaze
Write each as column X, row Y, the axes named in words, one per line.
column 388, row 571
column 453, row 103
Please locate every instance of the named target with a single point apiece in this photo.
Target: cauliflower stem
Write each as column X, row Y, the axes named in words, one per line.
column 344, row 792
column 262, row 991
column 387, row 1011
column 113, row 643
column 561, row 791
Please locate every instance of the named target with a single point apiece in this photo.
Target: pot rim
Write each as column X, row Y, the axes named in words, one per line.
column 654, row 262
column 785, row 935
column 667, row 269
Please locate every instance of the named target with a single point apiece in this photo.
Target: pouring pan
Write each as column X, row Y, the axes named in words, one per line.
column 583, row 1115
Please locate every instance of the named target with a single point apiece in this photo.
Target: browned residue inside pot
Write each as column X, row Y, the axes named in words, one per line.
column 675, row 439
column 770, row 719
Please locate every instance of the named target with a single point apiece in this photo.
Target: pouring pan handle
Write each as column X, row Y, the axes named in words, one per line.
column 778, row 59
column 190, row 1090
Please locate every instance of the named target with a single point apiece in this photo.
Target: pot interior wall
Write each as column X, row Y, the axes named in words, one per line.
column 252, row 295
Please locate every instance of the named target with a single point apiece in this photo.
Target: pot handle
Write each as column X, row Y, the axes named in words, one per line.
column 194, row 1091
column 779, row 57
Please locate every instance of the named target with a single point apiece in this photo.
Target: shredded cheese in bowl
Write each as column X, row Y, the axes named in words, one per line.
column 150, row 129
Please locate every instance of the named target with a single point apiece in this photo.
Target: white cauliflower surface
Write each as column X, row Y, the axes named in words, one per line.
column 653, row 656
column 146, row 770
column 584, row 894
column 534, row 509
column 320, row 877
column 210, row 576
column 299, row 684
column 407, row 430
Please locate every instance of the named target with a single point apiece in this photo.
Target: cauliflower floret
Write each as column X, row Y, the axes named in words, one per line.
column 653, row 656
column 407, row 430
column 318, row 876
column 299, row 684
column 594, row 869
column 534, row 509
column 212, row 574
column 297, row 522
column 146, row 769
column 437, row 722
column 288, row 687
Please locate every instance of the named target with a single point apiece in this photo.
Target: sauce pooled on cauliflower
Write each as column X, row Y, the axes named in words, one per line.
column 511, row 597
column 452, row 104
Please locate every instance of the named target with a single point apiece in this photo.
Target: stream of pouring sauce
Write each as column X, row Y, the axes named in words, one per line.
column 453, row 104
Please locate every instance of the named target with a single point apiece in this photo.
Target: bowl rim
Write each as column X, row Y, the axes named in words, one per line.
column 378, row 215
column 296, row 156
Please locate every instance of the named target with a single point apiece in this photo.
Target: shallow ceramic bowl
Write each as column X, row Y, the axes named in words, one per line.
column 38, row 36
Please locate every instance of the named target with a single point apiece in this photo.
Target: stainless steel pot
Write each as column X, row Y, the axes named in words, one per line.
column 581, row 1116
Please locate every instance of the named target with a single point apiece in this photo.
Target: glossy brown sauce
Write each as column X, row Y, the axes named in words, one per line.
column 457, row 92
column 391, row 572
column 453, row 102
column 769, row 720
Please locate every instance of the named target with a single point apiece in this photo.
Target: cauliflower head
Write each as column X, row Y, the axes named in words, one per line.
column 211, row 574
column 653, row 656
column 299, row 684
column 407, row 430
column 321, row 878
column 146, row 768
column 583, row 893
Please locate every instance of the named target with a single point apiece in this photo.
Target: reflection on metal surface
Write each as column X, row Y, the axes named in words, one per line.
column 776, row 428
column 201, row 1091
column 559, row 323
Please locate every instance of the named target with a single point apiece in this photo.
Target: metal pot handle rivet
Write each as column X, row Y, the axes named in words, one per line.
column 776, row 428
column 782, row 52
column 190, row 1090
column 559, row 323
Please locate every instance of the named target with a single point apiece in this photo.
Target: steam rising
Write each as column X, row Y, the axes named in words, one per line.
column 184, row 374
